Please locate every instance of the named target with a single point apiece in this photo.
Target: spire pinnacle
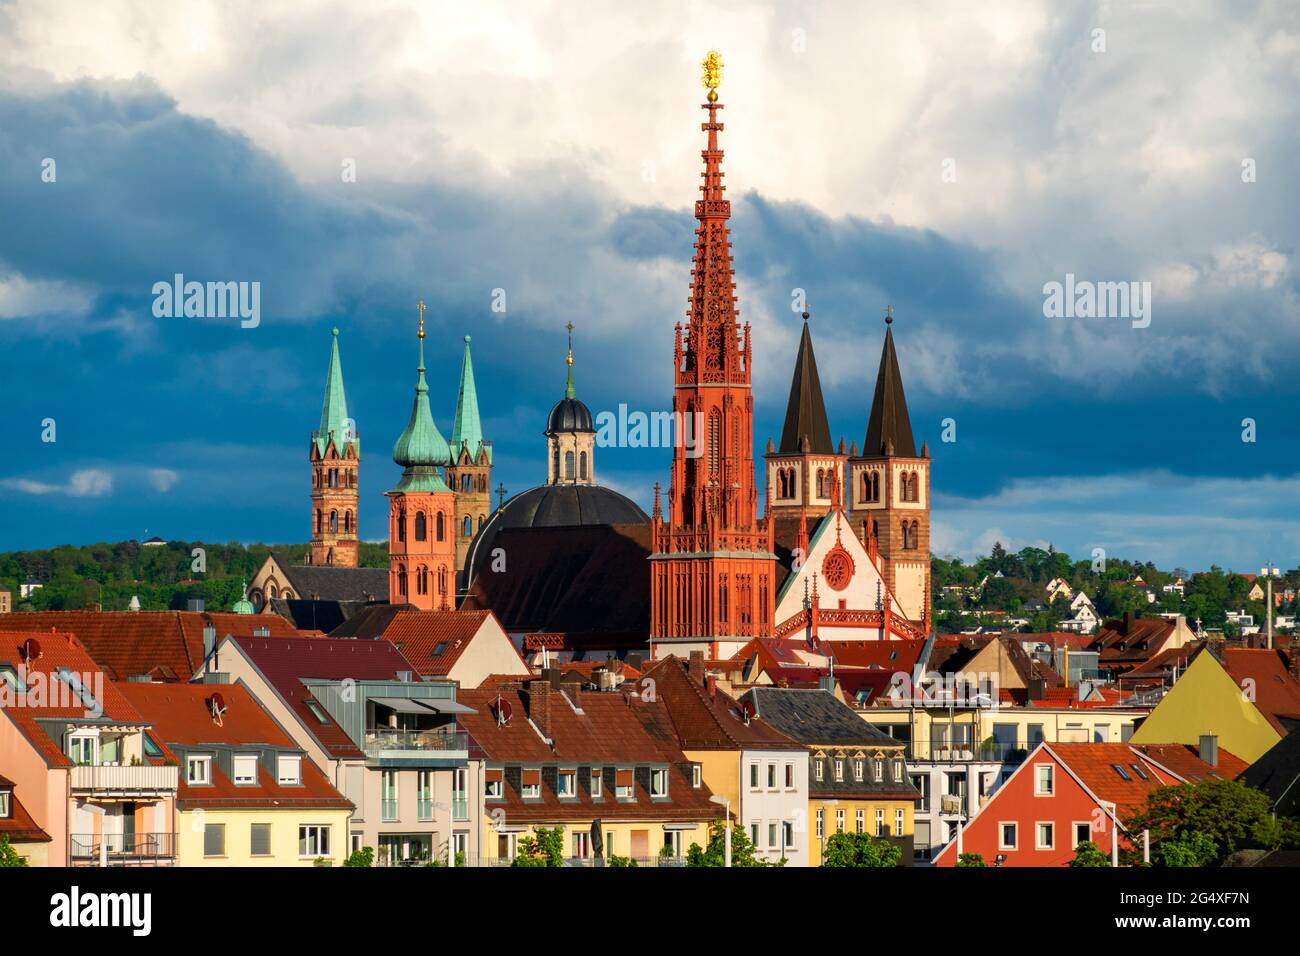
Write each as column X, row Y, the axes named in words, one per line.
column 420, row 449
column 334, row 410
column 805, row 413
column 889, row 427
column 467, row 428
column 568, row 388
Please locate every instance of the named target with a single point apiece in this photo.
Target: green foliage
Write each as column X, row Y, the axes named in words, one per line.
column 543, row 848
column 363, row 857
column 322, row 861
column 616, row 860
column 742, row 851
column 971, row 859
column 1206, row 821
column 859, row 849
column 1087, row 854
column 8, row 855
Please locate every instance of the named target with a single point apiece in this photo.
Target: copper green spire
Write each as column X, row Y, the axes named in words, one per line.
column 334, row 412
column 421, row 449
column 466, row 428
column 568, row 389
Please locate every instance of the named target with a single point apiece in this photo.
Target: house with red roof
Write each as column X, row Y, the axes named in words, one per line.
column 387, row 739
column 78, row 757
column 606, row 766
column 465, row 646
column 160, row 645
column 1066, row 793
column 19, row 829
column 248, row 794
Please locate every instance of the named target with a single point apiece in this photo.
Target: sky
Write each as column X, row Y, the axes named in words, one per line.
column 946, row 158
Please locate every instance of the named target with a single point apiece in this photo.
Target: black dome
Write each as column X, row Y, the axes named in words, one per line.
column 569, row 415
column 553, row 506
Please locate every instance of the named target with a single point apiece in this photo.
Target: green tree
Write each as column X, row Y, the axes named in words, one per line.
column 544, row 848
column 1087, row 854
column 8, row 855
column 1186, row 849
column 971, row 859
column 1227, row 813
column 616, row 860
column 859, row 849
column 363, row 857
column 742, row 851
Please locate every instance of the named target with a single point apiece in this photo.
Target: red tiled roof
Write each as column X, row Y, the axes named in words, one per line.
column 613, row 730
column 1277, row 693
column 1185, row 760
column 284, row 661
column 431, row 640
column 587, row 668
column 166, row 645
column 19, row 826
column 180, row 716
column 58, row 651
column 1094, row 765
column 1058, row 639
column 705, row 721
column 1131, row 638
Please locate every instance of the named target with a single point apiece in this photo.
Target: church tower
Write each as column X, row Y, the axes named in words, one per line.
column 335, row 459
column 570, row 436
column 421, row 510
column 713, row 573
column 804, row 471
column 469, row 472
column 890, row 489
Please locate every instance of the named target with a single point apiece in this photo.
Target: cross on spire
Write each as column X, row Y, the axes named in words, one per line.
column 501, row 495
column 420, row 306
column 889, row 315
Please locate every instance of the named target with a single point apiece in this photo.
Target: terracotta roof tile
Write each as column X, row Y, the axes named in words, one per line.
column 19, row 826
column 1277, row 693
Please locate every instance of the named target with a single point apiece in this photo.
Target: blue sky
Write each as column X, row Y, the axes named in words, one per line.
column 555, row 156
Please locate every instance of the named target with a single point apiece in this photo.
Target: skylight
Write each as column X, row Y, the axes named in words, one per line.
column 1121, row 771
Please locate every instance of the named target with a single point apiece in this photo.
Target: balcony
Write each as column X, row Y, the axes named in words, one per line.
column 416, row 746
column 133, row 782
column 122, row 849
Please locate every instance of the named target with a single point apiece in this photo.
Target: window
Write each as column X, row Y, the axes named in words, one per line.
column 673, row 843
column 424, row 794
column 214, row 839
column 467, row 527
column 440, row 529
column 771, row 835
column 421, row 526
column 198, row 770
column 530, row 784
column 857, row 769
column 582, row 466
column 697, row 775
column 567, row 783
column 878, row 769
column 581, row 845
column 880, row 823
column 897, row 770
column 1008, row 834
column 819, row 770
column 860, row 821
column 492, row 784
column 1142, row 774
column 1123, row 774
column 245, row 770
column 568, row 466
column 6, row 805
column 1046, row 836
column 753, row 776
column 317, row 711
column 597, row 783
column 839, row 769
column 839, row 821
column 388, row 795
column 771, row 776
column 787, row 834
column 789, row 776
column 313, row 840
column 289, row 770
column 821, row 822
column 259, row 843
column 83, row 751
column 1044, row 780
column 753, row 835
column 659, row 783
column 900, row 821
column 1082, row 832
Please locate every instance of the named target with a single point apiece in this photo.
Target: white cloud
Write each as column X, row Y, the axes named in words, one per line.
column 21, row 297
column 86, row 483
column 163, row 479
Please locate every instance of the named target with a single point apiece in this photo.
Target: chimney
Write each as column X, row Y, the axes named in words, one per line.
column 209, row 641
column 695, row 667
column 1128, row 621
column 1209, row 749
column 196, row 605
column 712, row 683
column 539, row 705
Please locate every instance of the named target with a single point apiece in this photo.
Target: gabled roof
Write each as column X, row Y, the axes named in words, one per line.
column 1277, row 693
column 814, row 717
column 181, row 718
column 1185, row 760
column 805, row 413
column 285, row 662
column 710, row 721
column 433, row 641
column 322, row 582
column 165, row 645
column 1277, row 773
column 19, row 826
column 889, row 422
column 60, row 651
column 1094, row 764
column 1131, row 638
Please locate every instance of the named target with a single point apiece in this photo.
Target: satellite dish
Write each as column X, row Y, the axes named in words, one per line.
column 504, row 710
column 747, row 711
column 217, row 705
column 30, row 650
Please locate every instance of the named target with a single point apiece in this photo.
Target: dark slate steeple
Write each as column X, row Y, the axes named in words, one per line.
column 805, row 414
column 889, row 429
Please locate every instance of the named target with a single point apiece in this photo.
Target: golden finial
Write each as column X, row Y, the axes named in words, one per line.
column 569, row 360
column 712, row 65
column 420, row 305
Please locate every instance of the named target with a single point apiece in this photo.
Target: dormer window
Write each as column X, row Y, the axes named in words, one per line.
column 878, row 769
column 245, row 767
column 530, row 784
column 567, row 783
column 898, row 770
column 198, row 770
column 83, row 749
column 492, row 784
column 839, row 769
column 6, row 804
column 819, row 769
column 597, row 782
column 289, row 770
column 858, row 769
column 623, row 783
column 659, row 783
column 697, row 775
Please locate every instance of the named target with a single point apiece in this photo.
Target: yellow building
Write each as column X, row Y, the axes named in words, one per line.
column 1207, row 699
column 248, row 795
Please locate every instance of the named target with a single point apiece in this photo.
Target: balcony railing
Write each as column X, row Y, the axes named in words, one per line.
column 384, row 741
column 122, row 848
column 1007, row 752
column 460, row 808
column 136, row 781
column 388, row 810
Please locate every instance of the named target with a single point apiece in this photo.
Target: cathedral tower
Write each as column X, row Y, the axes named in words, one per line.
column 890, row 489
column 421, row 510
column 469, row 472
column 805, row 469
column 335, row 459
column 713, row 573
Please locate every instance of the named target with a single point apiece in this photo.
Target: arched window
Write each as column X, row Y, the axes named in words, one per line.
column 482, row 484
column 582, row 466
column 568, row 466
column 422, row 580
column 555, row 461
column 481, row 521
column 871, row 486
column 442, row 580
column 334, row 522
column 329, row 556
column 352, row 522
column 401, row 525
column 421, row 526
column 715, row 431
column 468, row 527
column 319, row 520
column 466, row 482
column 401, row 580
column 441, row 531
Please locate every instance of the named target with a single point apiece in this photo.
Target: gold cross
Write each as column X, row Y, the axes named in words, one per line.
column 420, row 305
